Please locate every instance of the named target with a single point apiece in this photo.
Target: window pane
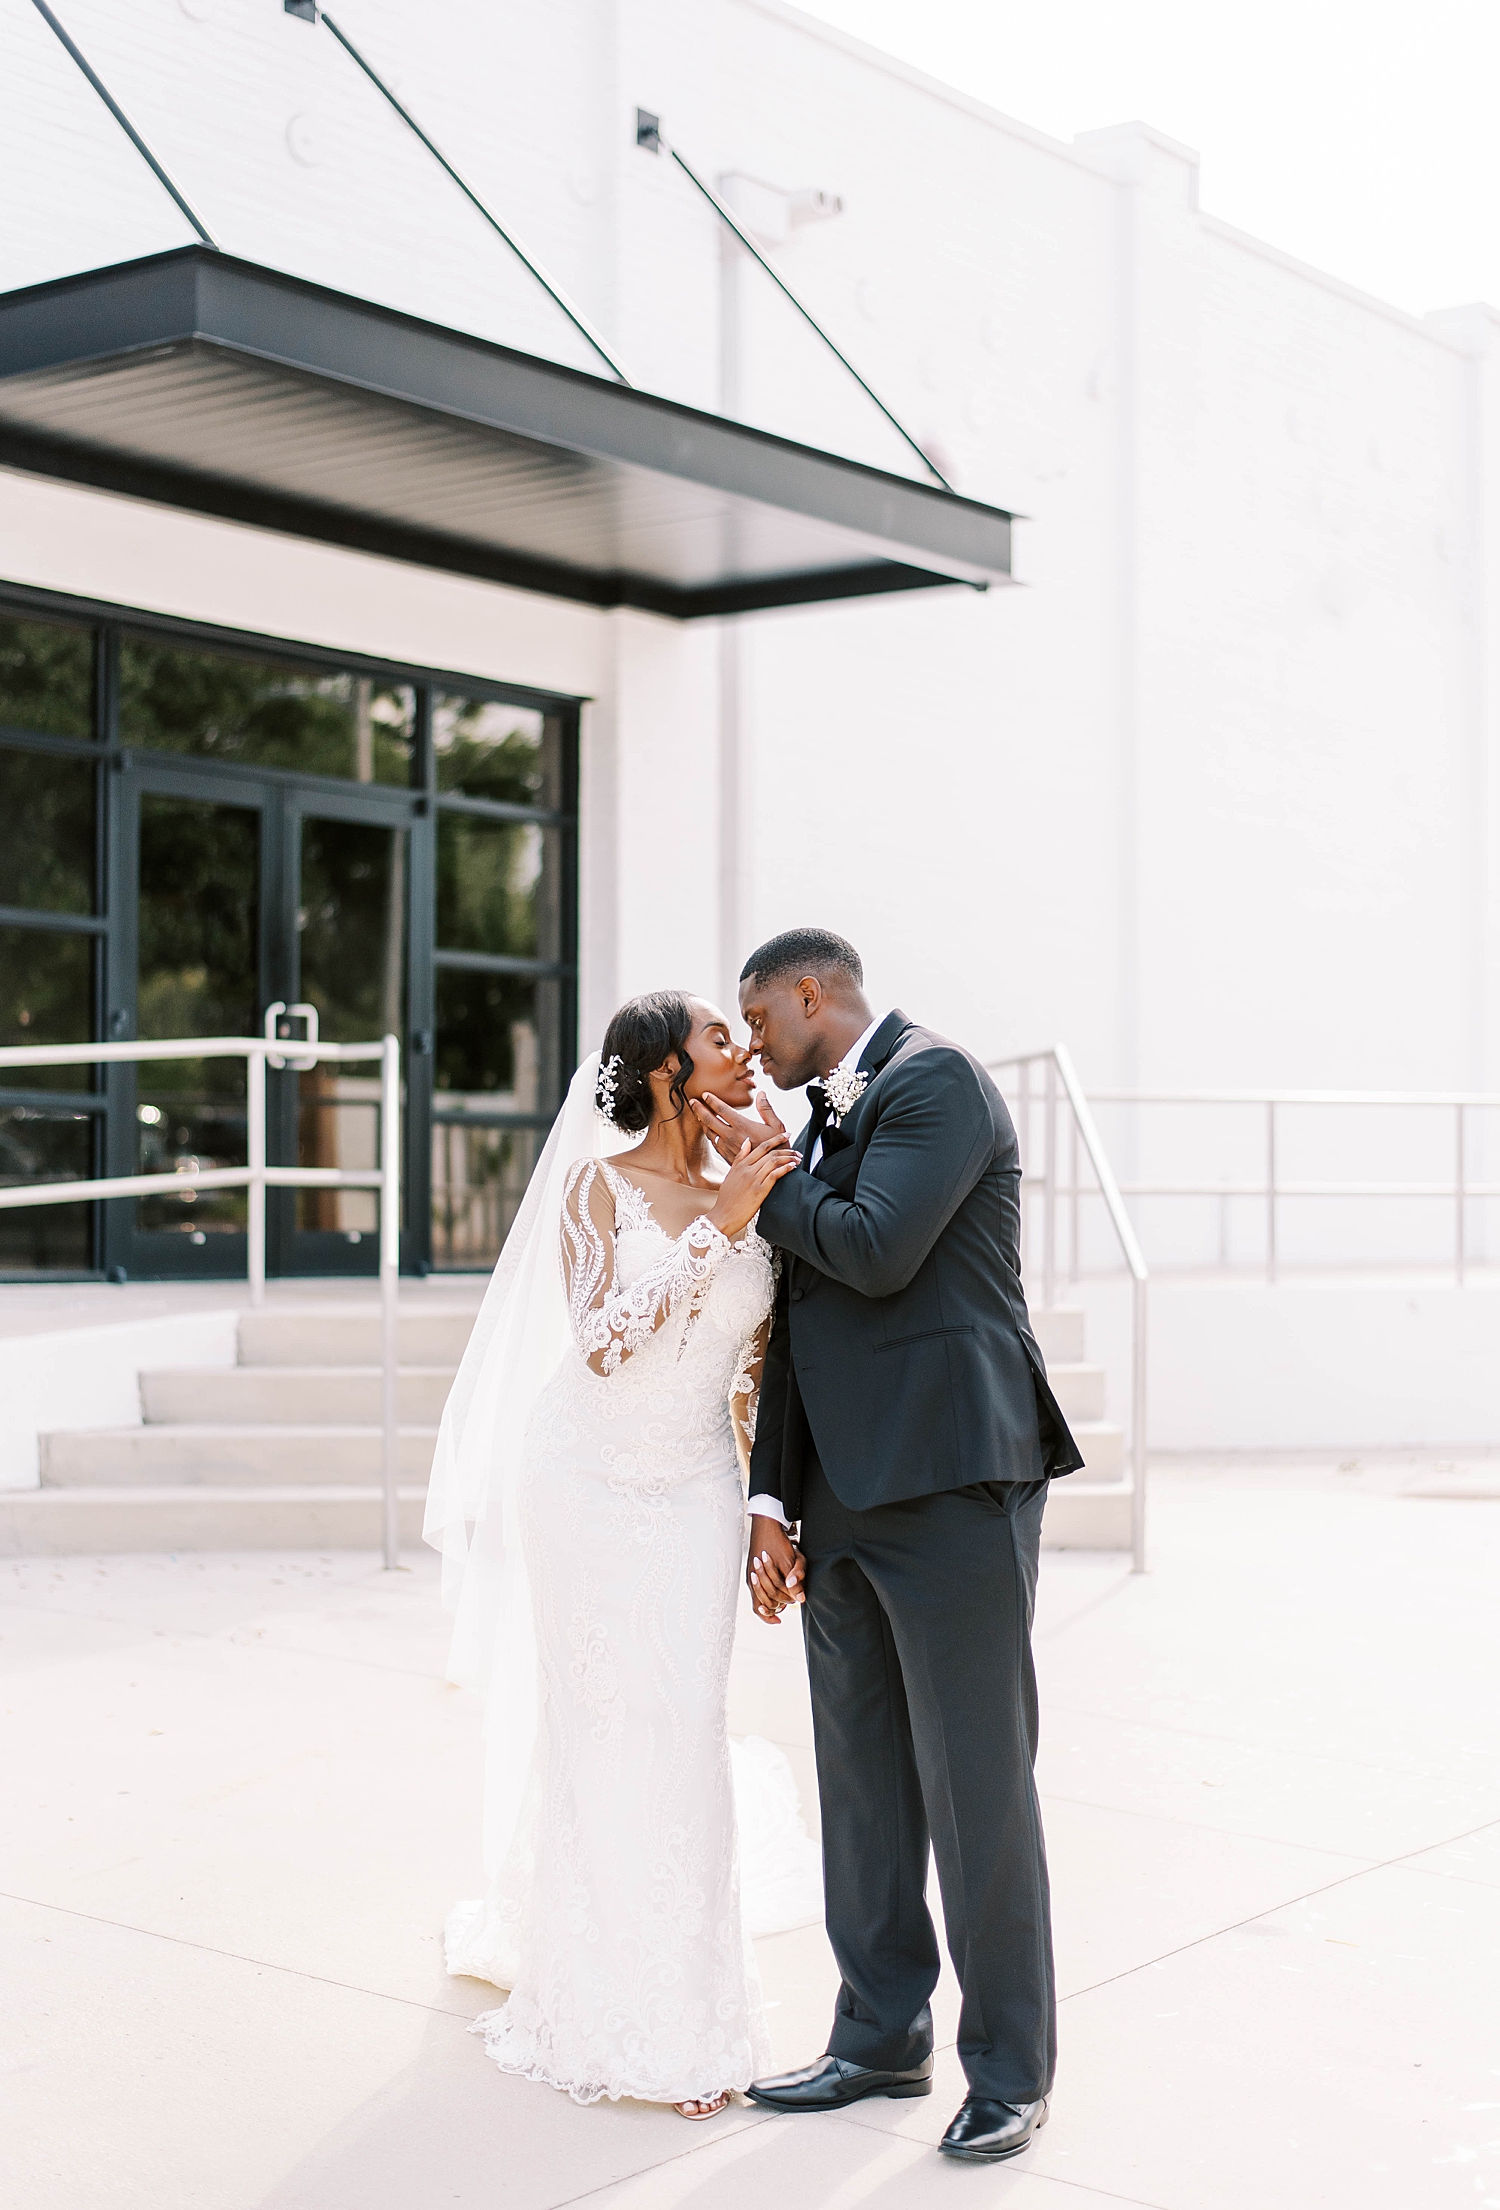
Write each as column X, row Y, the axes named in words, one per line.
column 45, row 998
column 262, row 715
column 479, row 1177
column 498, row 887
column 41, row 1146
column 352, row 929
column 47, row 832
column 497, row 1042
column 199, row 976
column 47, row 677
column 509, row 753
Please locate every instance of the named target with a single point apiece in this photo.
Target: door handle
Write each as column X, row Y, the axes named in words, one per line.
column 277, row 1011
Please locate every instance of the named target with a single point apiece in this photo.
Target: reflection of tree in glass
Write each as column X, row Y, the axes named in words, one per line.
column 199, row 976
column 488, row 878
column 490, row 751
column 39, row 1146
column 199, row 930
column 480, row 1021
column 263, row 715
column 47, row 677
column 45, row 998
column 47, row 832
column 351, row 923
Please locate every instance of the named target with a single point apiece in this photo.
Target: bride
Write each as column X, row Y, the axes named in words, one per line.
column 587, row 1499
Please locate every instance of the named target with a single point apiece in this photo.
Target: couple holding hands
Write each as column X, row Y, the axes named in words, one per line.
column 838, row 1321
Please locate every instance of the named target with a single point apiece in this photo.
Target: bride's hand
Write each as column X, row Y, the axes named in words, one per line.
column 757, row 1168
column 727, row 1129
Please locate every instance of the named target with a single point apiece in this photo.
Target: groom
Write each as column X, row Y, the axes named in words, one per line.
column 905, row 1423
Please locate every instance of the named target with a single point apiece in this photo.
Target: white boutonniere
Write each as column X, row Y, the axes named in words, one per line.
column 843, row 1091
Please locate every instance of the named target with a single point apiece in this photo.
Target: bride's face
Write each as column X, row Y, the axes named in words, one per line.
column 719, row 1063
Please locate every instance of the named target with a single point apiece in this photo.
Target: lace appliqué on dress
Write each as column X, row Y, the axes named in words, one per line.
column 612, row 1319
column 627, row 1955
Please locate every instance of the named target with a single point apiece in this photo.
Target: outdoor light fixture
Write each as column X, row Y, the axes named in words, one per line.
column 307, row 9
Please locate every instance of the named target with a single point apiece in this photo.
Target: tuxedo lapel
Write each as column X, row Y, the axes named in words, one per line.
column 883, row 1043
column 876, row 1055
column 837, row 1139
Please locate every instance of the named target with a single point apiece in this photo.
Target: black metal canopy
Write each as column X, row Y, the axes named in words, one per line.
column 229, row 389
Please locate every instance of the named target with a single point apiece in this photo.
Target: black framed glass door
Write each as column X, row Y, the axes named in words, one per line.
column 198, row 823
column 344, row 945
column 246, row 893
column 198, row 884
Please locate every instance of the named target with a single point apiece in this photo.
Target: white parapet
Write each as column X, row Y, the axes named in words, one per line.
column 1362, row 1361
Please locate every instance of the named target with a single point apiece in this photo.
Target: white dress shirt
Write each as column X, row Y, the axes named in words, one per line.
column 769, row 1507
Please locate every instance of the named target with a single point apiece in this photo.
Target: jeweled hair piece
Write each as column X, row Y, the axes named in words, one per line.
column 604, row 1088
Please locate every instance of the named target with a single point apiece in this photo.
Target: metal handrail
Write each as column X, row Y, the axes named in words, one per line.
column 1458, row 1191
column 1060, row 1071
column 258, row 1177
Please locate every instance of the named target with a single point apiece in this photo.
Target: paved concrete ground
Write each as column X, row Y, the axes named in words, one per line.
column 238, row 1800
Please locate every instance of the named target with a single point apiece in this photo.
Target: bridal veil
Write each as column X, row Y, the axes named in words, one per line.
column 519, row 1338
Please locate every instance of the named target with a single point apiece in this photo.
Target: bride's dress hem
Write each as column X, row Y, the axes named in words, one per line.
column 687, row 2088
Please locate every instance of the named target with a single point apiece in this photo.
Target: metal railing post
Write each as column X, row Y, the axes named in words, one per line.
column 1270, row 1189
column 1072, row 1202
column 1049, row 1187
column 255, row 1177
column 1087, row 1134
column 255, row 1151
column 390, row 1281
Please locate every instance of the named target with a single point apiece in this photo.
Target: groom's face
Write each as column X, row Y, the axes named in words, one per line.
column 785, row 1028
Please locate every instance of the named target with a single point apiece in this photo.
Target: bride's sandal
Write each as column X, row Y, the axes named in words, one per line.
column 705, row 2106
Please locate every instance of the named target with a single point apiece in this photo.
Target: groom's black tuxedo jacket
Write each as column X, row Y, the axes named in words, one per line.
column 900, row 1350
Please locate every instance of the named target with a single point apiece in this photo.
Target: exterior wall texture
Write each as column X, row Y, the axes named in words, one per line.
column 1214, row 796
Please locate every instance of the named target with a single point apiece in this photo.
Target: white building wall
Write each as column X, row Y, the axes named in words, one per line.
column 1213, row 795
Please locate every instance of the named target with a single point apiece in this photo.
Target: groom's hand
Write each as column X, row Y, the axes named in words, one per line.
column 774, row 1570
column 728, row 1130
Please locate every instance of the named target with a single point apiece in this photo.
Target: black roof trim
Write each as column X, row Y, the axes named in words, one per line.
column 657, row 505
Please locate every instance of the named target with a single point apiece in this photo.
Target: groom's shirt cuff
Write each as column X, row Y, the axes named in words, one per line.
column 767, row 1507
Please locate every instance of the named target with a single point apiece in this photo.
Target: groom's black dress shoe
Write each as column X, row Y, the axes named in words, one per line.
column 984, row 2131
column 834, row 2081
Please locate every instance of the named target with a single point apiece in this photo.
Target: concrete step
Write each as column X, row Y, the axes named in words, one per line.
column 1087, row 1515
column 1103, row 1448
column 1079, row 1389
column 292, row 1396
column 208, row 1456
column 349, row 1335
column 41, row 1523
column 1059, row 1331
column 53, row 1522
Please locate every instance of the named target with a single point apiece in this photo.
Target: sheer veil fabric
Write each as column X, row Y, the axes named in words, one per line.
column 520, row 1335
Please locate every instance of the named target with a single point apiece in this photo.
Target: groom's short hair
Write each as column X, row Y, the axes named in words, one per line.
column 804, row 952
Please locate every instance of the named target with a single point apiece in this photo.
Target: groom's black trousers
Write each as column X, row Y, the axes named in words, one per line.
column 918, row 1631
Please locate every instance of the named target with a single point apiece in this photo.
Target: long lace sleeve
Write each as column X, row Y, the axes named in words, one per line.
column 744, row 1392
column 612, row 1319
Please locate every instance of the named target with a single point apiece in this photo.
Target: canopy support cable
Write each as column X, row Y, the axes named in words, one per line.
column 575, row 315
column 125, row 123
column 649, row 134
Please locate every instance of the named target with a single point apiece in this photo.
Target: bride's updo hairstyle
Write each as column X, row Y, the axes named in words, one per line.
column 642, row 1036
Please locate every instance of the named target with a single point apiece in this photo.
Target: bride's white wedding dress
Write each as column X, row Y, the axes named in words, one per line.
column 616, row 1915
